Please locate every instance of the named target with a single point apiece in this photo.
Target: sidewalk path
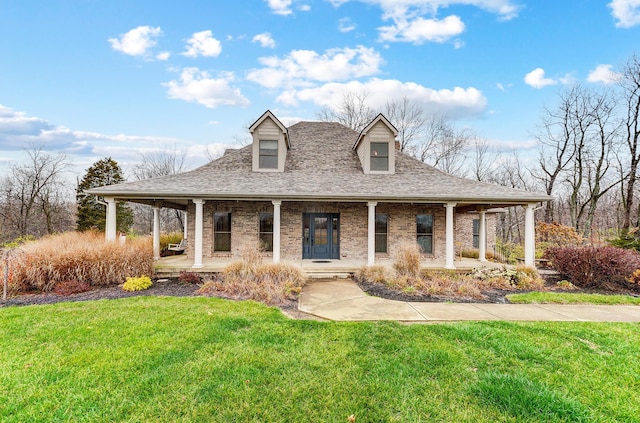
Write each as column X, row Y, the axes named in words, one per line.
column 342, row 299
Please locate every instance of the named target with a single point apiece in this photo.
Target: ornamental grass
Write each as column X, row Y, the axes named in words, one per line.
column 84, row 257
column 252, row 279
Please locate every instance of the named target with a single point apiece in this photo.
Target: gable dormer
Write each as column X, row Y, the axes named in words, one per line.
column 270, row 143
column 376, row 147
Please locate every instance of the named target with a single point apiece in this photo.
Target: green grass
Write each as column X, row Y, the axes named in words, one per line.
column 206, row 359
column 572, row 298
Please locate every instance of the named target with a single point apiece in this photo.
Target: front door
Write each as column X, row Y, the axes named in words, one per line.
column 321, row 236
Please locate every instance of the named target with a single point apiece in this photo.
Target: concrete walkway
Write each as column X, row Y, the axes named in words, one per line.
column 342, row 299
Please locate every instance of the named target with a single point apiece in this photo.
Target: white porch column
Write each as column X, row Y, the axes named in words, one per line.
column 197, row 250
column 156, row 232
column 449, row 243
column 482, row 235
column 529, row 236
column 110, row 221
column 276, row 230
column 371, row 234
column 185, row 219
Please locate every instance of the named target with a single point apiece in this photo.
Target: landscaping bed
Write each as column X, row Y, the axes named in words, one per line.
column 161, row 287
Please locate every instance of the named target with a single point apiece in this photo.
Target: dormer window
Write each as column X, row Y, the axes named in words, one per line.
column 268, row 154
column 375, row 147
column 270, row 144
column 379, row 156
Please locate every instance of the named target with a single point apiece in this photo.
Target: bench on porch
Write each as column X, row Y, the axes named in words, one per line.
column 179, row 248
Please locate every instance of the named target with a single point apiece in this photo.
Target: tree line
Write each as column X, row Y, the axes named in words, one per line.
column 587, row 158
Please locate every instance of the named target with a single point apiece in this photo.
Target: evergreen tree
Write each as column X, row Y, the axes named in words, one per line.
column 91, row 213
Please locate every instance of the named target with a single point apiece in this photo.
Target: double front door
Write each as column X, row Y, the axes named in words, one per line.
column 321, row 236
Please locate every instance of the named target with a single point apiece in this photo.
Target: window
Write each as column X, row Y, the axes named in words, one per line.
column 221, row 231
column 268, row 154
column 424, row 226
column 266, row 231
column 379, row 156
column 381, row 233
column 476, row 233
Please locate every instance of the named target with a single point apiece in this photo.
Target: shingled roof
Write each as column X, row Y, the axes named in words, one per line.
column 321, row 165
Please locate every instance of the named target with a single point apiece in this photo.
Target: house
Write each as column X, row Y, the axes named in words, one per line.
column 321, row 191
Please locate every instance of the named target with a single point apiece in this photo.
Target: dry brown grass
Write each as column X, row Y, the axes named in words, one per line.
column 407, row 278
column 251, row 279
column 407, row 261
column 79, row 256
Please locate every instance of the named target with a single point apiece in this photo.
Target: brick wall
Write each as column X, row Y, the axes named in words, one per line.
column 353, row 226
column 464, row 230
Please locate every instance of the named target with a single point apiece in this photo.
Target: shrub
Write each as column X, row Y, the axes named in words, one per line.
column 629, row 240
column 521, row 277
column 555, row 234
column 407, row 262
column 474, row 254
column 80, row 256
column 374, row 274
column 189, row 277
column 137, row 284
column 273, row 284
column 595, row 267
column 634, row 279
column 65, row 288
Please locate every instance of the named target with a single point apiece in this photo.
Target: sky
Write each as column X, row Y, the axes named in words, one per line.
column 120, row 78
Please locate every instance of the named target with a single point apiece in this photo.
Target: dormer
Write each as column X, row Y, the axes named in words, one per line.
column 376, row 147
column 270, row 143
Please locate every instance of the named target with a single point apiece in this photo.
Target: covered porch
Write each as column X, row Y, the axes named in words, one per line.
column 193, row 209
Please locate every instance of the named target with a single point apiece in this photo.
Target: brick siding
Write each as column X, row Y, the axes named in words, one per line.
column 353, row 227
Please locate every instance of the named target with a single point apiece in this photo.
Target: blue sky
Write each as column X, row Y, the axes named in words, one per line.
column 116, row 78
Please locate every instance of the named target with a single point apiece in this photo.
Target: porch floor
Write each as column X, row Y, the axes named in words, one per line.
column 172, row 266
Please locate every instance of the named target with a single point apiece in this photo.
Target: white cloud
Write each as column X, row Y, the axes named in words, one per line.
column 304, row 8
column 18, row 130
column 536, row 79
column 416, row 21
column 626, row 12
column 511, row 145
column 346, row 25
column 455, row 103
column 265, row 40
column 420, row 30
column 163, row 56
column 137, row 41
column 300, row 67
column 603, row 74
column 280, row 7
column 203, row 44
column 198, row 86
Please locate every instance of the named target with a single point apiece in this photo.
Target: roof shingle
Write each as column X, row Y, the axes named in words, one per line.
column 321, row 164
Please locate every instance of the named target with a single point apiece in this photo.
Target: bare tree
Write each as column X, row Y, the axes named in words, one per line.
column 444, row 145
column 630, row 84
column 602, row 143
column 556, row 136
column 160, row 163
column 482, row 159
column 33, row 193
column 353, row 112
column 153, row 165
column 409, row 119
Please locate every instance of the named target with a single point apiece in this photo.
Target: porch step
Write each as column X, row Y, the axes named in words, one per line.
column 324, row 274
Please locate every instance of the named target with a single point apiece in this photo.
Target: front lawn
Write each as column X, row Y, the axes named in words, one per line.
column 207, row 359
column 572, row 298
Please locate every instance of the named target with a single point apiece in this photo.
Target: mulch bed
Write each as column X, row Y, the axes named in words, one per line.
column 494, row 296
column 497, row 296
column 166, row 287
